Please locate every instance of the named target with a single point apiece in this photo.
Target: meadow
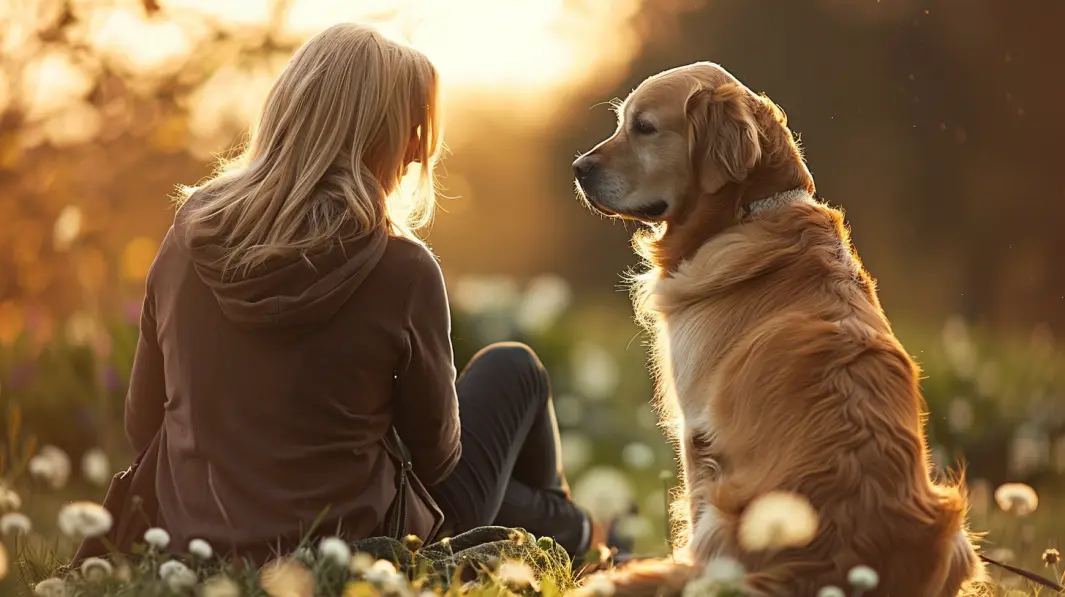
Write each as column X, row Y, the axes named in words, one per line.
column 996, row 405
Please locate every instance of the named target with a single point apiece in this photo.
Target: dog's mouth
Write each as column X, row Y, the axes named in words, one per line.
column 652, row 211
column 594, row 205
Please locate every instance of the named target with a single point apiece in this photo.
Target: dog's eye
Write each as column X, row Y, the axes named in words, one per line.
column 642, row 126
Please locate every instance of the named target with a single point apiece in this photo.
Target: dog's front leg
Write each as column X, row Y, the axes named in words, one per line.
column 702, row 468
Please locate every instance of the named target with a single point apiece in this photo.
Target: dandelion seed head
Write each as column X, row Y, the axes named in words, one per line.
column 14, row 523
column 9, row 500
column 361, row 563
column 53, row 587
column 157, row 538
column 176, row 575
column 1017, row 498
column 96, row 467
column 96, row 569
column 604, row 491
column 382, row 573
column 84, row 519
column 335, row 550
column 518, row 574
column 863, row 578
column 201, row 549
column 51, row 466
column 777, row 520
column 831, row 591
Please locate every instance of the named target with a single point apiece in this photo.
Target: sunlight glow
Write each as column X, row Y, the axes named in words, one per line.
column 494, row 55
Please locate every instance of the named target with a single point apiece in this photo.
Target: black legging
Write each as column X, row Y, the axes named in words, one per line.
column 510, row 473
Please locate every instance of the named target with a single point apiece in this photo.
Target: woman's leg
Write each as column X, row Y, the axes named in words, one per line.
column 509, row 472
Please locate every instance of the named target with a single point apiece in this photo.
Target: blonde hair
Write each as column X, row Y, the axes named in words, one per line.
column 329, row 151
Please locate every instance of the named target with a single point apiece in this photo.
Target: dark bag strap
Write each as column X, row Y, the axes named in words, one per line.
column 132, row 502
column 396, row 517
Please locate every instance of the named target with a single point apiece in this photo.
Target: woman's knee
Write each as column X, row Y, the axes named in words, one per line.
column 515, row 358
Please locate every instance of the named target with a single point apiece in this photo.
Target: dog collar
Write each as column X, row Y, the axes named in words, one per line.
column 774, row 201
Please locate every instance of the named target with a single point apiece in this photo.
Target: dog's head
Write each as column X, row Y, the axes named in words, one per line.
column 692, row 143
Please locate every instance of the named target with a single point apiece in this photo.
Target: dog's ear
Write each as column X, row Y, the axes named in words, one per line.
column 724, row 141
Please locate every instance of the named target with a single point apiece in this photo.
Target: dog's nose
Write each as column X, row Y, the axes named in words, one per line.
column 584, row 166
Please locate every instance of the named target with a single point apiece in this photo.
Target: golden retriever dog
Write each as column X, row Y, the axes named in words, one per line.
column 776, row 367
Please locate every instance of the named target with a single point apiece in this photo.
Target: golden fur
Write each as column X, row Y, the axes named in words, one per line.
column 776, row 367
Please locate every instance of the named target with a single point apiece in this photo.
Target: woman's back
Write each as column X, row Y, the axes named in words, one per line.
column 280, row 384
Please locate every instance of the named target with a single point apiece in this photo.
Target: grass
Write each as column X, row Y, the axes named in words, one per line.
column 495, row 562
column 1010, row 388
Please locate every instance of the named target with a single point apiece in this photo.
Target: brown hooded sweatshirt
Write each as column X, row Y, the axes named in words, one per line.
column 273, row 390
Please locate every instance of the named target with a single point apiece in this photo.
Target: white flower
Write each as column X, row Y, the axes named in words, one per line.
column 66, row 228
column 595, row 373
column 96, row 467
column 576, row 451
column 361, row 563
column 1018, row 498
column 15, row 523
column 478, row 295
column 518, row 574
column 53, row 587
column 545, row 299
column 382, row 572
column 287, row 578
column 863, row 578
column 9, row 500
column 219, row 586
column 51, row 465
column 606, row 492
column 777, row 520
column 96, row 569
column 638, row 455
column 84, row 519
column 177, row 576
column 335, row 550
column 157, row 538
column 201, row 549
column 831, row 591
column 725, row 570
column 599, row 586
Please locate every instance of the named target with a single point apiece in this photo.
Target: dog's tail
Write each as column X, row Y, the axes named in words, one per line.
column 660, row 577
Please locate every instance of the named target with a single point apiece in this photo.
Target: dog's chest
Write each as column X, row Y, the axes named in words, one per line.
column 691, row 369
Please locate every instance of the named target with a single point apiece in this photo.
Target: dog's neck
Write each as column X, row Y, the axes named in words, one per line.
column 679, row 242
column 773, row 202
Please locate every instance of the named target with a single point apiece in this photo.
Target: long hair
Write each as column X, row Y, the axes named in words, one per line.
column 331, row 147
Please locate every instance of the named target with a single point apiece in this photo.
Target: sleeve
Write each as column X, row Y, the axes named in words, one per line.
column 427, row 412
column 146, row 398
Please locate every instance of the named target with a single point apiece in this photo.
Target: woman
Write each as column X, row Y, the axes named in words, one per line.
column 292, row 318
